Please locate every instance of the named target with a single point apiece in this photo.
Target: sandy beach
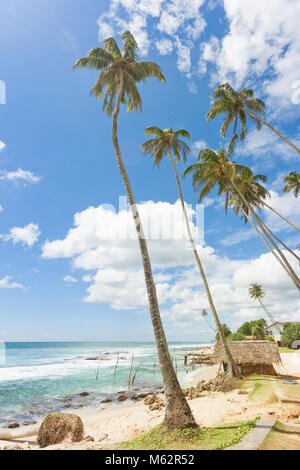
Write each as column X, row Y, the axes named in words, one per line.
column 108, row 425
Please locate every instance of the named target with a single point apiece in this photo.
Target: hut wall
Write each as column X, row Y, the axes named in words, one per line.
column 263, row 369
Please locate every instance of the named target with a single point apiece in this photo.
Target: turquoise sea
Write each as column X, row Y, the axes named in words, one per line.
column 38, row 378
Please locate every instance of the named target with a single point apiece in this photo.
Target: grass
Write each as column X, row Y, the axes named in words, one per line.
column 287, row 350
column 282, row 437
column 190, row 439
column 264, row 389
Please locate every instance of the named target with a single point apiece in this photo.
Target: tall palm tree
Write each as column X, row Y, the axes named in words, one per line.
column 216, row 169
column 254, row 193
column 236, row 105
column 204, row 314
column 117, row 84
column 256, row 292
column 293, row 183
column 168, row 143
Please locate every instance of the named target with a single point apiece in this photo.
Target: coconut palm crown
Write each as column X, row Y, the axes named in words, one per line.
column 256, row 291
column 164, row 142
column 293, row 183
column 113, row 63
column 234, row 104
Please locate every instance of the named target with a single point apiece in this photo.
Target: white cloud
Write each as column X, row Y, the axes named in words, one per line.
column 70, row 279
column 175, row 23
column 263, row 38
column 164, row 46
column 1, row 208
column 115, row 275
column 197, row 146
column 193, row 88
column 2, row 145
column 19, row 176
column 5, row 283
column 27, row 235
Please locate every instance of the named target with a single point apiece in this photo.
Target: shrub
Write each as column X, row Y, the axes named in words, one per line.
column 291, row 333
column 258, row 332
column 236, row 337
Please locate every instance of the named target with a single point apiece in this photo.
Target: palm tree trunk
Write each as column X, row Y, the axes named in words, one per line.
column 254, row 116
column 295, row 278
column 269, row 315
column 177, row 413
column 232, row 367
column 280, row 241
column 281, row 216
column 267, row 244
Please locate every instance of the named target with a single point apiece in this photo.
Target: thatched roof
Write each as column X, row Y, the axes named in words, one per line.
column 248, row 352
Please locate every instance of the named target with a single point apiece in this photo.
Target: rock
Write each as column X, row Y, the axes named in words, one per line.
column 29, row 423
column 122, row 398
column 242, row 392
column 67, row 406
column 107, row 400
column 83, row 394
column 92, row 358
column 142, row 395
column 14, row 426
column 89, row 439
column 150, row 400
column 59, row 427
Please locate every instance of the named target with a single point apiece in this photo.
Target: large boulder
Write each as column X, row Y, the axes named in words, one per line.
column 60, row 427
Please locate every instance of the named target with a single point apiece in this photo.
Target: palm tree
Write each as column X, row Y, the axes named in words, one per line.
column 216, row 169
column 166, row 143
column 256, row 292
column 254, row 193
column 293, row 183
column 204, row 314
column 117, row 84
column 236, row 105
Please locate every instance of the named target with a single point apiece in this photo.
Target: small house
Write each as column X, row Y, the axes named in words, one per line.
column 277, row 329
column 251, row 357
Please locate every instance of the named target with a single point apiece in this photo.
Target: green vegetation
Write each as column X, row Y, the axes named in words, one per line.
column 266, row 389
column 248, row 327
column 282, row 437
column 236, row 337
column 226, row 331
column 286, row 350
column 290, row 334
column 191, row 439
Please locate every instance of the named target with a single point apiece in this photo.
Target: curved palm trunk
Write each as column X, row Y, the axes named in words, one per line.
column 232, row 367
column 294, row 276
column 281, row 216
column 267, row 244
column 269, row 315
column 178, row 413
column 273, row 129
column 280, row 241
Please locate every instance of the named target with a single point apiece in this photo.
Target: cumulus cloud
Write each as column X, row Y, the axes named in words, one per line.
column 115, row 275
column 6, row 283
column 262, row 39
column 19, row 175
column 1, row 208
column 27, row 235
column 2, row 145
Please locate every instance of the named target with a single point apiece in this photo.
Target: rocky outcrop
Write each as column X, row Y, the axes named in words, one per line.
column 220, row 384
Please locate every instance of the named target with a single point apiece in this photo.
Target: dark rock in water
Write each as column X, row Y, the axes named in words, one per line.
column 92, row 358
column 106, row 400
column 58, row 427
column 142, row 395
column 29, row 423
column 122, row 391
column 67, row 406
column 83, row 394
column 122, row 398
column 14, row 426
column 134, row 398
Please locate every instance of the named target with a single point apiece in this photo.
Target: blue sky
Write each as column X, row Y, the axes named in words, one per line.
column 57, row 160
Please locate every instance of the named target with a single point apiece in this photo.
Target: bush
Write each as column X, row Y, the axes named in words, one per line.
column 258, row 332
column 268, row 338
column 236, row 337
column 291, row 333
column 226, row 330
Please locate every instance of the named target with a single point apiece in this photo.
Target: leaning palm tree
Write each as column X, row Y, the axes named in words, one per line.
column 293, row 183
column 236, row 105
column 204, row 314
column 254, row 193
column 117, row 84
column 216, row 169
column 168, row 143
column 256, row 292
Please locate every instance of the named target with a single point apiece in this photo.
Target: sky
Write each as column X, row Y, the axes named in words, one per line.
column 66, row 273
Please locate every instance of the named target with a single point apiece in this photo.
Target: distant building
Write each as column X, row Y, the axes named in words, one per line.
column 277, row 328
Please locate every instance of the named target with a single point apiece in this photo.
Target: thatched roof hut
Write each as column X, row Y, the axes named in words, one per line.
column 252, row 356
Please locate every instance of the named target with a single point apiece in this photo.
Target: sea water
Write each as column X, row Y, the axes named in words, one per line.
column 39, row 378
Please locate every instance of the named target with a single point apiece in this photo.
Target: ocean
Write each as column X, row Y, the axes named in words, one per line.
column 39, row 378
